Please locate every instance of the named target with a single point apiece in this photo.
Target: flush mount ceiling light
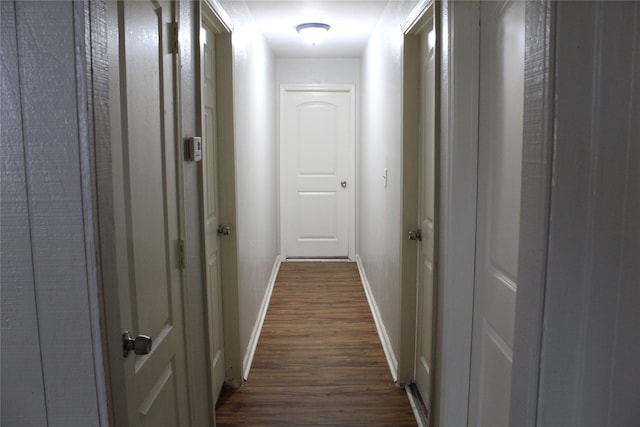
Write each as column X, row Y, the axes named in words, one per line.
column 313, row 32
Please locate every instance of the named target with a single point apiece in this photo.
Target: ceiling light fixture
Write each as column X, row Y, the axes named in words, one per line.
column 313, row 32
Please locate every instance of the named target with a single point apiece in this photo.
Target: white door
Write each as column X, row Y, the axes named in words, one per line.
column 142, row 78
column 210, row 212
column 426, row 216
column 317, row 132
column 502, row 27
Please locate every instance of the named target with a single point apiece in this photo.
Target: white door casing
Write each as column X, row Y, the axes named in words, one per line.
column 143, row 76
column 425, row 292
column 419, row 200
column 210, row 211
column 317, row 171
column 502, row 26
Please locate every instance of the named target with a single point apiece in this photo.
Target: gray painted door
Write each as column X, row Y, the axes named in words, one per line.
column 498, row 215
column 426, row 217
column 146, row 214
column 210, row 212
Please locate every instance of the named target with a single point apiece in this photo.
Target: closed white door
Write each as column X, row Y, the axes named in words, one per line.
column 502, row 27
column 210, row 213
column 317, row 133
column 426, row 216
column 148, row 390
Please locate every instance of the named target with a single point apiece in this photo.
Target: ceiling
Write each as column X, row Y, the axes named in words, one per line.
column 351, row 21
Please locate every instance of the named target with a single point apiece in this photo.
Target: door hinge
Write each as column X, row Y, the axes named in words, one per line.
column 181, row 256
column 174, row 41
column 193, row 149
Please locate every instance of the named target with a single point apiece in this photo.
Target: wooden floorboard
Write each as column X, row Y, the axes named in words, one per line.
column 319, row 360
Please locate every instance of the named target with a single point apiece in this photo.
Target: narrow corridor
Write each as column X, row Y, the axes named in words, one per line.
column 319, row 360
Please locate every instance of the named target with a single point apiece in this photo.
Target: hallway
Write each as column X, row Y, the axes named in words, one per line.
column 104, row 219
column 319, row 360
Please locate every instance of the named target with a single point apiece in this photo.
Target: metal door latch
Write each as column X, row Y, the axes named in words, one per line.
column 224, row 230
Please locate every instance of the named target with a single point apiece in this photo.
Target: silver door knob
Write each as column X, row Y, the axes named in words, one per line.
column 344, row 184
column 416, row 235
column 140, row 345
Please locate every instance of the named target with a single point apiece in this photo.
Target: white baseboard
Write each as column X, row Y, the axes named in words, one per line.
column 257, row 328
column 382, row 332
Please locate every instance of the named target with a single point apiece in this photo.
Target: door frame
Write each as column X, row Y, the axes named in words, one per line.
column 215, row 17
column 102, row 195
column 459, row 86
column 457, row 60
column 350, row 89
column 425, row 14
column 411, row 122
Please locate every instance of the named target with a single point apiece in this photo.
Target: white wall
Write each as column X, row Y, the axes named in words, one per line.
column 318, row 71
column 590, row 360
column 52, row 372
column 256, row 170
column 379, row 221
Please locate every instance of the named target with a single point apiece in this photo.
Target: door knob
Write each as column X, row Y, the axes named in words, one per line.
column 344, row 184
column 416, row 235
column 139, row 345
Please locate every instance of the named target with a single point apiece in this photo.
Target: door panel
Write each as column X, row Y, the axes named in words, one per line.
column 317, row 132
column 426, row 215
column 210, row 211
column 497, row 240
column 147, row 233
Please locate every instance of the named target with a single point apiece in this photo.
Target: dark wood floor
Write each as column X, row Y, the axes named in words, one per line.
column 319, row 360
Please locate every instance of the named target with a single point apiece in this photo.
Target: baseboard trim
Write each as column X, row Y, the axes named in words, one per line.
column 416, row 406
column 257, row 328
column 377, row 318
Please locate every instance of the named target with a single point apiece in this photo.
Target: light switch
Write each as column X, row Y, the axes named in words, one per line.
column 384, row 177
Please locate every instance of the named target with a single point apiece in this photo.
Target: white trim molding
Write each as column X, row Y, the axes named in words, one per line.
column 222, row 19
column 459, row 37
